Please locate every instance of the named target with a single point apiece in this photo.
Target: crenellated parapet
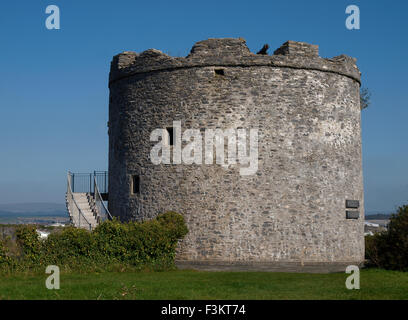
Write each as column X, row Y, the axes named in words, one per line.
column 230, row 52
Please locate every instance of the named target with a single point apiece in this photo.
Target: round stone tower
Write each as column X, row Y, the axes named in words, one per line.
column 297, row 207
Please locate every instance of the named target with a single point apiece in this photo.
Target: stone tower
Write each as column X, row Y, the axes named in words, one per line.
column 303, row 207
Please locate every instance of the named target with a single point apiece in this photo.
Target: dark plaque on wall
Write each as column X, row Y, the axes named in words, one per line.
column 352, row 214
column 352, row 204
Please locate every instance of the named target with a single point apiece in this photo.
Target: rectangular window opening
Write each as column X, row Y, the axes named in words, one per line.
column 220, row 72
column 170, row 132
column 135, row 184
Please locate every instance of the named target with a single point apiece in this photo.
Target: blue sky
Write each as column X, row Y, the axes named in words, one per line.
column 54, row 83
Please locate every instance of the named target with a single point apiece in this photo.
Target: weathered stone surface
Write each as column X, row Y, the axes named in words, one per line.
column 307, row 111
column 7, row 232
column 298, row 48
column 278, row 266
column 231, row 52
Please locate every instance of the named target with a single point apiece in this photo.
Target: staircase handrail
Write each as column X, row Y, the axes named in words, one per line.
column 72, row 199
column 99, row 201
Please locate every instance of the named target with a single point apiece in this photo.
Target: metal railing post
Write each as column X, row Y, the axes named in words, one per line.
column 100, row 205
column 105, row 182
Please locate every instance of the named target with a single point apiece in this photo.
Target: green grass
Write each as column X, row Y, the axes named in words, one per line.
column 375, row 284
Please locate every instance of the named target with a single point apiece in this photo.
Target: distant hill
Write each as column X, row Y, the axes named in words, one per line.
column 37, row 209
column 378, row 216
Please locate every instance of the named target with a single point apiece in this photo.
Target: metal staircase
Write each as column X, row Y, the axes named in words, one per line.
column 85, row 203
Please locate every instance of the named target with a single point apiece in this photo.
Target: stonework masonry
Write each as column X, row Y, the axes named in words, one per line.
column 291, row 214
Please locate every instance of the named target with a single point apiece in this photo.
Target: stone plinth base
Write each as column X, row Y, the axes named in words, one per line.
column 290, row 266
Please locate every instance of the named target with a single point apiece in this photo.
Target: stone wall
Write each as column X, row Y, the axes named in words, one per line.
column 292, row 212
column 8, row 232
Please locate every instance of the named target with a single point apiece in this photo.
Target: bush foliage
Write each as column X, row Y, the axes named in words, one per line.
column 5, row 260
column 136, row 244
column 389, row 249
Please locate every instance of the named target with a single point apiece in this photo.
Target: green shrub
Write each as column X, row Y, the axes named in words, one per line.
column 70, row 246
column 137, row 244
column 29, row 242
column 373, row 250
column 389, row 249
column 4, row 257
column 151, row 242
column 175, row 224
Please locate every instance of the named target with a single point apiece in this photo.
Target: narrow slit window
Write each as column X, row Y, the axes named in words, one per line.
column 220, row 72
column 135, row 184
column 170, row 132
